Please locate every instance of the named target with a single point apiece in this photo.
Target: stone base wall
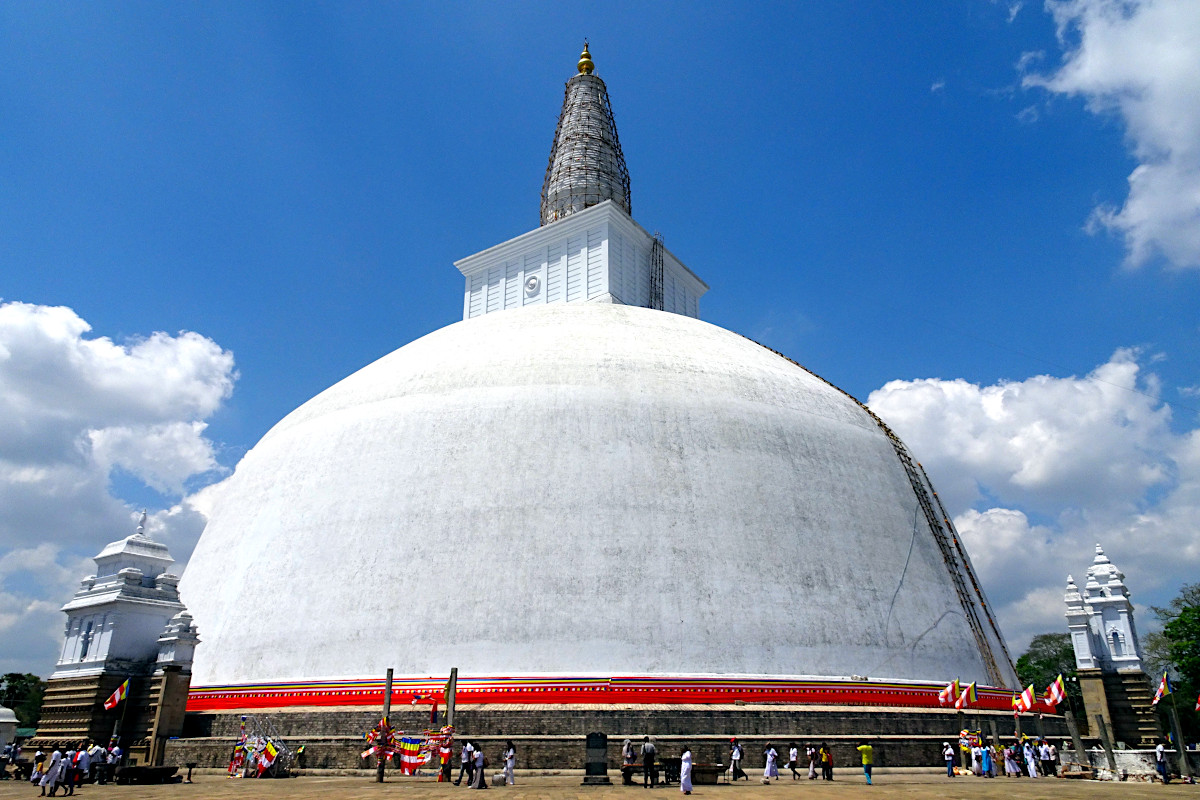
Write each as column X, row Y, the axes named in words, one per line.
column 549, row 738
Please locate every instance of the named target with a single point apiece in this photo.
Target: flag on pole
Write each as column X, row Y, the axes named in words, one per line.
column 1016, row 704
column 1198, row 702
column 968, row 696
column 267, row 757
column 1027, row 698
column 1056, row 692
column 1164, row 689
column 948, row 695
column 116, row 697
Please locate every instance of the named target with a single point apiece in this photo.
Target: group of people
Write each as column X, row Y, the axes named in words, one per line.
column 67, row 769
column 1032, row 757
column 474, row 764
column 820, row 759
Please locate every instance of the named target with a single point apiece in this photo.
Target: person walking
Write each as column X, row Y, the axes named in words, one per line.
column 685, row 770
column 976, row 766
column 1012, row 769
column 649, row 774
column 793, row 760
column 1160, row 762
column 987, row 755
column 510, row 763
column 53, row 774
column 826, row 762
column 1030, row 760
column 480, row 780
column 736, row 751
column 868, row 758
column 466, row 764
column 811, row 752
column 770, row 763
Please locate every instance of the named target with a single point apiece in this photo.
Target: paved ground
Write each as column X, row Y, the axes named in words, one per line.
column 559, row 787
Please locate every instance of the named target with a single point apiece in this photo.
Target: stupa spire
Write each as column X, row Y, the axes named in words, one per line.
column 586, row 164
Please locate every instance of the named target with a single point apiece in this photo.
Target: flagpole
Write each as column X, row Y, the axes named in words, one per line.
column 1185, row 769
column 124, row 710
column 387, row 709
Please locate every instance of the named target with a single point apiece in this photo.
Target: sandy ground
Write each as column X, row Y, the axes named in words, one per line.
column 846, row 785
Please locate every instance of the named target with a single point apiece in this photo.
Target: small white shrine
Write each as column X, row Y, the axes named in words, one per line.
column 120, row 616
column 1101, row 620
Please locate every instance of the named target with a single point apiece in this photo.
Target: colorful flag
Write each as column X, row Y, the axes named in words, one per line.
column 1164, row 689
column 1198, row 702
column 950, row 693
column 1056, row 692
column 1027, row 698
column 267, row 757
column 1016, row 704
column 968, row 696
column 116, row 697
column 410, row 755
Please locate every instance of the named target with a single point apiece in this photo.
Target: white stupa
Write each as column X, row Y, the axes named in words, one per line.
column 583, row 481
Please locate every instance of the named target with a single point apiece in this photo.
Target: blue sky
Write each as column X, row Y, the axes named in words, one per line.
column 927, row 204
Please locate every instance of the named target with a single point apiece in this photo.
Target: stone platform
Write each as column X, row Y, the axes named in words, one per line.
column 552, row 736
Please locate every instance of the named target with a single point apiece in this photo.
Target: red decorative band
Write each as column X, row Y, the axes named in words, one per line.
column 598, row 691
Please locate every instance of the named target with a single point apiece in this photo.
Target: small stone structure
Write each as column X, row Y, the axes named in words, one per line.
column 1108, row 656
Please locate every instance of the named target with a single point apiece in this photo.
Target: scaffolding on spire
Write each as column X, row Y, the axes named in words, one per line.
column 586, row 164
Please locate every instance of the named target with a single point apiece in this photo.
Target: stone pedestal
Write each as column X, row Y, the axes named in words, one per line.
column 595, row 762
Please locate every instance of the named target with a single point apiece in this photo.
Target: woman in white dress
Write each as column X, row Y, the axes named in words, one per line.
column 771, row 770
column 685, row 771
column 510, row 762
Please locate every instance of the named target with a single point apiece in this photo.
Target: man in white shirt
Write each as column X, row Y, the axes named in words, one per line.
column 468, row 765
column 1160, row 762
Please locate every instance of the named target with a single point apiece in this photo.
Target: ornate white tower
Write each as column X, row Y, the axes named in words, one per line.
column 125, row 622
column 114, row 620
column 1108, row 656
column 1101, row 619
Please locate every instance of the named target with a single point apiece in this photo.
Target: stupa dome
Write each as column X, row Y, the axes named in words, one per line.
column 578, row 489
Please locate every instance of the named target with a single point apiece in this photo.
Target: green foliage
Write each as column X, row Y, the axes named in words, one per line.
column 1177, row 650
column 23, row 694
column 1049, row 655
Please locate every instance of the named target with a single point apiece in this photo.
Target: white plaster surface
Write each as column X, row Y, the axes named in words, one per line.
column 575, row 489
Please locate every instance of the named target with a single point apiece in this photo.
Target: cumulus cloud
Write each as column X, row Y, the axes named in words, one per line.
column 73, row 410
column 1036, row 472
column 1140, row 59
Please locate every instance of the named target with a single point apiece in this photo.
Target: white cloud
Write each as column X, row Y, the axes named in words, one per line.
column 938, row 85
column 72, row 410
column 1091, row 459
column 1140, row 59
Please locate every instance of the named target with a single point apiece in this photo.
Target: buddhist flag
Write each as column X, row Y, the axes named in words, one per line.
column 1027, row 698
column 1164, row 689
column 1016, row 704
column 1198, row 702
column 116, row 697
column 267, row 757
column 950, row 693
column 968, row 696
column 1056, row 692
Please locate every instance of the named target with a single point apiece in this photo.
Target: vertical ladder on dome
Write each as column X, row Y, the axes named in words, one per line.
column 956, row 565
column 656, row 272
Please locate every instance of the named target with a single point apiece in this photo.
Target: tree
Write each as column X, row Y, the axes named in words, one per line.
column 23, row 694
column 1177, row 650
column 1155, row 646
column 1050, row 655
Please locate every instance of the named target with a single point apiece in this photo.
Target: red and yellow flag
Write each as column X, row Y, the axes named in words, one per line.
column 116, row 697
